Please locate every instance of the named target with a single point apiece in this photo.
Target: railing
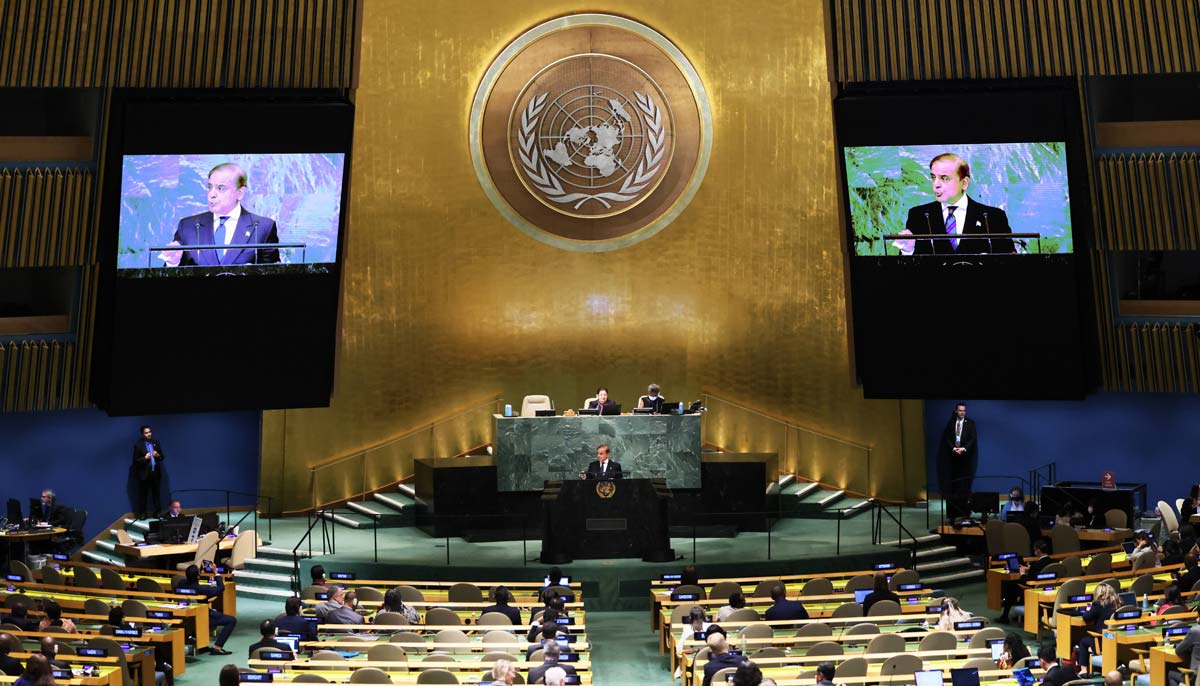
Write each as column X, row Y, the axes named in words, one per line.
column 1045, row 475
column 833, row 460
column 356, row 475
column 228, row 508
column 877, row 529
column 325, row 543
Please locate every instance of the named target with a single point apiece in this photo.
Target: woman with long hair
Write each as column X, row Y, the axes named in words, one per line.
column 1014, row 651
column 1104, row 604
column 37, row 672
column 952, row 612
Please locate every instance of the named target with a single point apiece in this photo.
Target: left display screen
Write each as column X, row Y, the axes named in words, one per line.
column 212, row 214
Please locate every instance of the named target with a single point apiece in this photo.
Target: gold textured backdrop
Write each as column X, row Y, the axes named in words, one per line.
column 445, row 304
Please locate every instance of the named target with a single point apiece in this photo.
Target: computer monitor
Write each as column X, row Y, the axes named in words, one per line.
column 1014, row 564
column 929, row 677
column 964, row 676
column 565, row 581
column 35, row 510
column 14, row 511
column 1023, row 676
column 861, row 594
column 174, row 530
column 997, row 646
column 292, row 641
column 615, row 408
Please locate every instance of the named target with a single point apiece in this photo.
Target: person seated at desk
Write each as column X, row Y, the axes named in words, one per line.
column 1189, row 505
column 318, row 576
column 174, row 511
column 1056, row 674
column 1016, row 502
column 1010, row 591
column 18, row 615
column 53, row 513
column 502, row 598
column 292, row 622
column 602, row 467
column 784, row 608
column 719, row 657
column 550, row 633
column 267, row 631
column 550, row 654
column 8, row 664
column 503, row 673
column 1189, row 651
column 54, row 621
column 736, row 602
column 1104, row 604
column 393, row 601
column 336, row 610
column 880, row 592
column 1014, row 651
column 37, row 672
column 952, row 613
column 652, row 399
column 1142, row 548
column 601, row 401
column 49, row 648
column 1189, row 576
column 215, row 617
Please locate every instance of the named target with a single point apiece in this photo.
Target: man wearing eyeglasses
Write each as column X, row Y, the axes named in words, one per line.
column 226, row 223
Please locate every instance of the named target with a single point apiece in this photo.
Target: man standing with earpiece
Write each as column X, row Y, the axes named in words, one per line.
column 147, row 472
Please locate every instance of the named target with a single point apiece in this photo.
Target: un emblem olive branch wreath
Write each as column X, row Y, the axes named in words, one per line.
column 548, row 183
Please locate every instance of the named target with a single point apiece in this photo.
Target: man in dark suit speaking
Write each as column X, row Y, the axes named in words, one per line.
column 954, row 213
column 225, row 223
column 602, row 467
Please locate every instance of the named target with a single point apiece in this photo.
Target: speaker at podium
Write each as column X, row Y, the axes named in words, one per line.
column 606, row 519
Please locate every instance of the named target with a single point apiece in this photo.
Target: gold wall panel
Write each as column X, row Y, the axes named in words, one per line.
column 445, row 303
column 178, row 43
column 45, row 216
column 902, row 40
column 1149, row 201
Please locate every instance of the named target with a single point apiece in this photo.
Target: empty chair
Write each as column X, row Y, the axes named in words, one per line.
column 902, row 578
column 386, row 652
column 939, row 640
column 17, row 599
column 498, row 636
column 757, row 631
column 831, row 648
column 723, row 675
column 206, row 549
column 437, row 676
column 111, row 580
column 1116, row 519
column 1016, row 538
column 6, row 626
column 328, row 655
column 66, row 649
column 901, row 665
column 818, row 586
column 993, row 534
column 1073, row 566
column 745, row 614
column 688, row 589
column 391, row 618
column 308, row 678
column 979, row 663
column 1055, row 568
column 465, row 593
column 855, row 667
column 407, row 637
column 863, row 629
column 18, row 567
column 310, row 592
column 498, row 655
column 815, row 629
column 369, row 594
column 95, row 606
column 530, row 404
column 1064, row 539
column 148, row 585
column 537, row 655
column 1144, row 562
column 724, row 589
column 114, row 649
column 885, row 643
column 440, row 616
column 884, row 608
column 450, row 636
column 133, row 608
column 769, row 651
column 257, row 653
column 1112, row 583
column 1143, row 585
column 1101, row 563
column 848, row 610
column 370, row 675
column 410, row 594
column 438, row 657
column 245, row 547
column 981, row 638
column 84, row 577
column 495, row 619
column 123, row 537
column 861, row 582
column 52, row 576
column 763, row 589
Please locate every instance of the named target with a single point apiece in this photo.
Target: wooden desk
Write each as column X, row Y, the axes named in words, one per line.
column 194, row 615
column 162, row 552
column 1162, row 659
column 130, row 577
column 1094, row 535
column 173, row 638
column 25, row 537
column 996, row 576
column 109, row 676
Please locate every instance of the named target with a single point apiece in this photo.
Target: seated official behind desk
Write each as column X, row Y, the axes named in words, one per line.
column 602, row 467
column 602, row 402
column 652, row 401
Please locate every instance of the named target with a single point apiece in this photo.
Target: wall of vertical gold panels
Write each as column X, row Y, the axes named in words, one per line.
column 1149, row 201
column 45, row 216
column 905, row 40
column 178, row 43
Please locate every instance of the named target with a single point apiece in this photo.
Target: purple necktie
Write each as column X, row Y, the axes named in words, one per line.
column 951, row 225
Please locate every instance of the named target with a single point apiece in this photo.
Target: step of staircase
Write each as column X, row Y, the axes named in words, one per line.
column 949, row 579
column 139, row 525
column 920, row 540
column 935, row 552
column 945, row 564
column 269, row 552
column 397, row 501
column 349, row 519
column 270, row 564
column 103, row 558
column 250, row 590
column 260, row 579
column 376, row 510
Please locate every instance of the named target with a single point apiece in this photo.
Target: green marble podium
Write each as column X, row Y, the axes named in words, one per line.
column 531, row 450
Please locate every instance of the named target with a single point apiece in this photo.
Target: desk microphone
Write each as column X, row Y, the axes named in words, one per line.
column 929, row 229
column 988, row 227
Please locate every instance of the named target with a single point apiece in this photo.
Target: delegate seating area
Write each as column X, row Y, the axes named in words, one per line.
column 453, row 642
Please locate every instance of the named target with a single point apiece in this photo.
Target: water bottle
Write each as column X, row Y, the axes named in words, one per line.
column 1145, row 602
column 680, row 408
column 508, row 410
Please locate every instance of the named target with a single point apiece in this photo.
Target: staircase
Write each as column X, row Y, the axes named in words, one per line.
column 104, row 552
column 816, row 501
column 940, row 565
column 395, row 507
column 269, row 575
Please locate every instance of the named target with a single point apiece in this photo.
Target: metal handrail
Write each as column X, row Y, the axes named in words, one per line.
column 777, row 420
column 880, row 510
column 296, row 549
column 228, row 492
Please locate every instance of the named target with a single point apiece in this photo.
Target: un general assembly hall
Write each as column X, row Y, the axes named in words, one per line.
column 668, row 342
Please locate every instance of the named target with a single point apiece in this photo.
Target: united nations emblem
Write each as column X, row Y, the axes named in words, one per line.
column 591, row 132
column 606, row 489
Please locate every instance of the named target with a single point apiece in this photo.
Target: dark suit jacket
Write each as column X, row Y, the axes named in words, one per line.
column 11, row 665
column 540, row 672
column 295, row 624
column 969, row 438
column 924, row 220
column 719, row 662
column 1059, row 675
column 786, row 609
column 613, row 472
column 251, row 228
column 514, row 614
column 1035, row 568
column 876, row 596
column 269, row 643
column 58, row 516
column 140, row 466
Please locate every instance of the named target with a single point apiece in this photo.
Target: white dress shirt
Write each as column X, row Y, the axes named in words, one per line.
column 230, row 227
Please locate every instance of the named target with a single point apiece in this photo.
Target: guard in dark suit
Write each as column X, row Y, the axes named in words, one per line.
column 602, row 467
column 958, row 457
column 953, row 212
column 147, row 471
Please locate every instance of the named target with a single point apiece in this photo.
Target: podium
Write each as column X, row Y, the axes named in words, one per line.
column 606, row 519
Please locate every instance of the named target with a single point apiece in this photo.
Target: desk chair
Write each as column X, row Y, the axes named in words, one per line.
column 530, row 404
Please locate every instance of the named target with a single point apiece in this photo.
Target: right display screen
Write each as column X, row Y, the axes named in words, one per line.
column 965, row 199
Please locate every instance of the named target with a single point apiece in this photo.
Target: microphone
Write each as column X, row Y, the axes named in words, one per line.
column 253, row 233
column 988, row 228
column 929, row 229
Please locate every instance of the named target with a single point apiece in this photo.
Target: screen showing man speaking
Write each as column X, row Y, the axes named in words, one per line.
column 968, row 199
column 229, row 213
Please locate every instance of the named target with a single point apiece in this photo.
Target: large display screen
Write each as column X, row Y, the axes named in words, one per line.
column 210, row 214
column 968, row 198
